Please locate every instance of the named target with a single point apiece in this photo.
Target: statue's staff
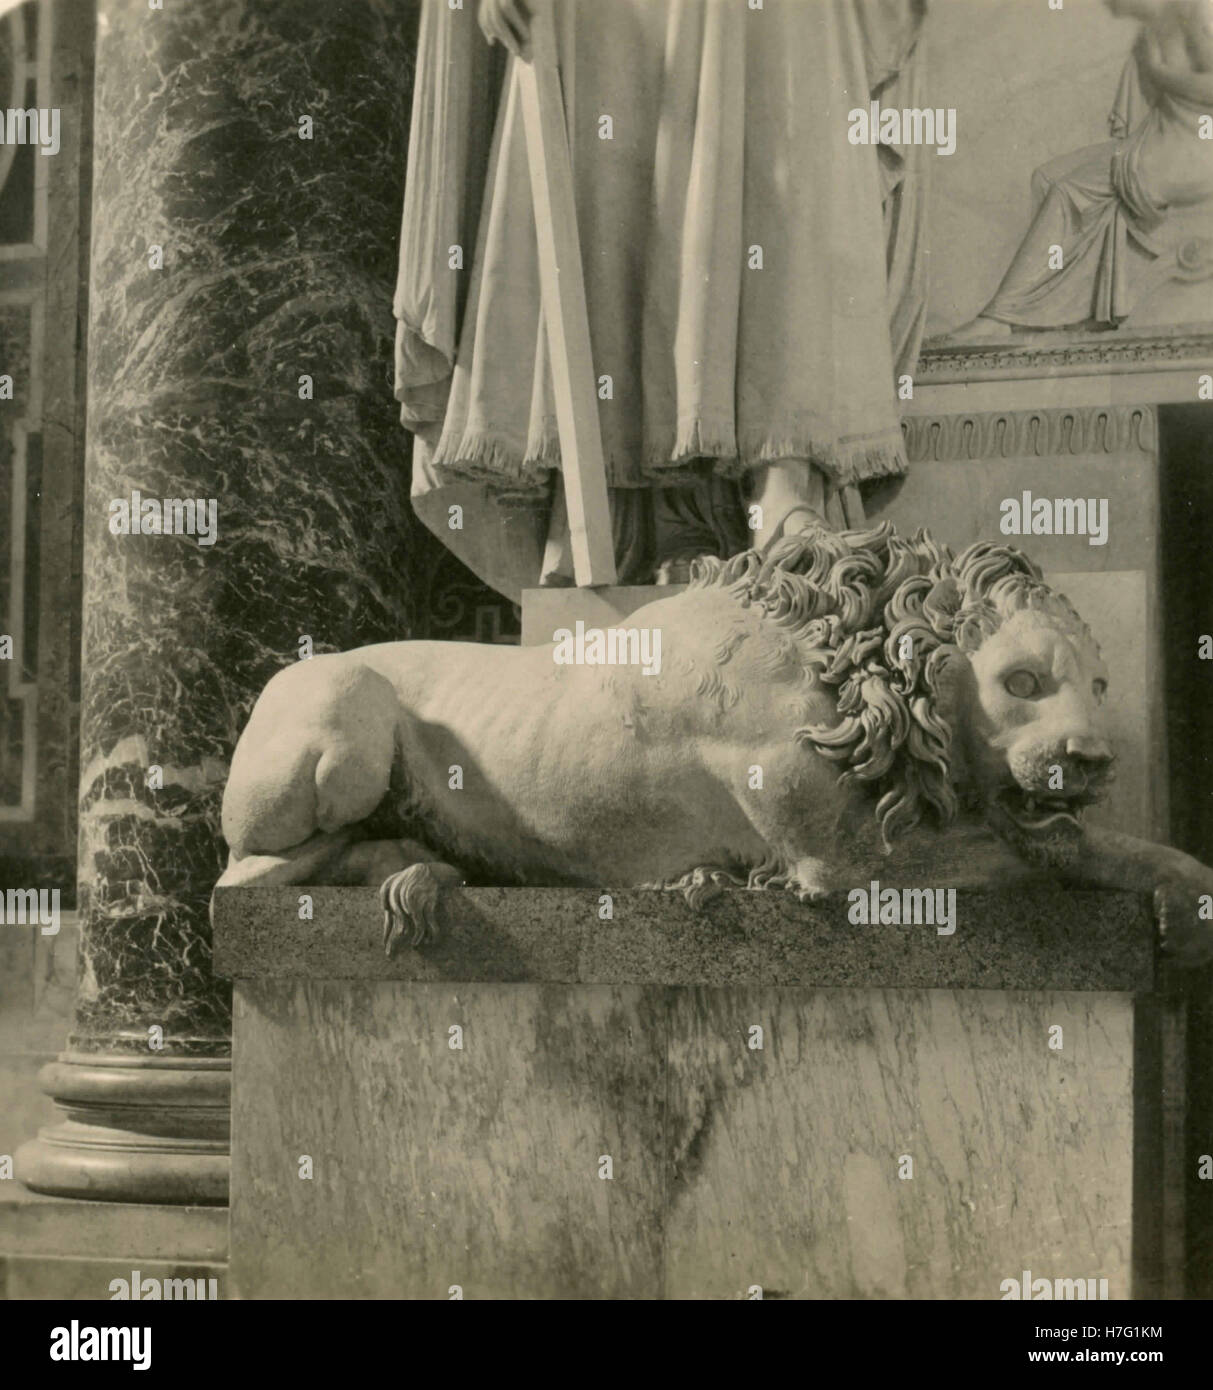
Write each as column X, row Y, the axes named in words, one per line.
column 565, row 318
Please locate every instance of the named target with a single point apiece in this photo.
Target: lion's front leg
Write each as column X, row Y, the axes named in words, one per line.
column 1182, row 888
column 808, row 878
column 699, row 886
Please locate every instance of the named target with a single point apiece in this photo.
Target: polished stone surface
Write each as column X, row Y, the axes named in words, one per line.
column 757, row 1131
column 278, row 258
column 230, row 260
column 148, row 1128
column 278, row 261
column 731, row 1166
column 433, row 1166
column 786, row 1164
column 1035, row 937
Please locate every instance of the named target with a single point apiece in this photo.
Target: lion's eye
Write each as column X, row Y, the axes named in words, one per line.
column 1099, row 688
column 1022, row 684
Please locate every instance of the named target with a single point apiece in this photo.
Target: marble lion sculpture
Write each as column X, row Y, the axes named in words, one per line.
column 849, row 704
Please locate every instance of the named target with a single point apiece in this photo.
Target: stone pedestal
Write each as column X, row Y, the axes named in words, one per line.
column 239, row 351
column 54, row 1247
column 680, row 1105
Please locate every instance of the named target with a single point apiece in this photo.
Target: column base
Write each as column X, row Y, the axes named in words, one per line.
column 136, row 1130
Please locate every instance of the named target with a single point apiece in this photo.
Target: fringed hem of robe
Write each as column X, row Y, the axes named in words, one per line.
column 497, row 462
column 730, row 130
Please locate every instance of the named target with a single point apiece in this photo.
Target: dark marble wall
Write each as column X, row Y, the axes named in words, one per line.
column 278, row 260
column 44, row 205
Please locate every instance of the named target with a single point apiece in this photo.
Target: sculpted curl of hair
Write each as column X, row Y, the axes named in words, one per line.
column 848, row 599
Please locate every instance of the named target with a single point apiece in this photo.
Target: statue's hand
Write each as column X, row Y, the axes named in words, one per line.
column 507, row 22
column 1187, row 937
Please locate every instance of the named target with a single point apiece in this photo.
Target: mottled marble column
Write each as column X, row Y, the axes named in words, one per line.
column 278, row 262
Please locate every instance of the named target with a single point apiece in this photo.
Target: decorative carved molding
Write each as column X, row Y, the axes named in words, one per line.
column 1059, row 356
column 460, row 608
column 1043, row 433
column 135, row 1129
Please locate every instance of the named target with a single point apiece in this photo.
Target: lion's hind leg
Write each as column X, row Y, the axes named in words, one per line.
column 411, row 880
column 295, row 865
column 311, row 858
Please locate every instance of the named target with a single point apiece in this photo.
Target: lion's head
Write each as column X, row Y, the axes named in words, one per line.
column 958, row 678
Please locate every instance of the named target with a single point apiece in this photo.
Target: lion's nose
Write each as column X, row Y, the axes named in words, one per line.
column 1086, row 748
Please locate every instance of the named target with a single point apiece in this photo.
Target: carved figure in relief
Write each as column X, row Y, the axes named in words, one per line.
column 1123, row 230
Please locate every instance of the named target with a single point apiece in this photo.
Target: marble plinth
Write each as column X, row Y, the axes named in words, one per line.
column 898, row 1127
column 1035, row 938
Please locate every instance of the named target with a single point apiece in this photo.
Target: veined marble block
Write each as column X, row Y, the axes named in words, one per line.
column 847, row 1112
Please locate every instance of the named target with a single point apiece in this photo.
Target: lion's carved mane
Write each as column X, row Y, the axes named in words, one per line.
column 848, row 600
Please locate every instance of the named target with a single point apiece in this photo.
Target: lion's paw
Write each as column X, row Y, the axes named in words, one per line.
column 809, row 880
column 699, row 886
column 808, row 892
column 698, row 895
column 411, row 900
column 702, row 885
column 1187, row 937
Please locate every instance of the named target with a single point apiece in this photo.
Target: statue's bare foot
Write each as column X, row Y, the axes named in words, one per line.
column 676, row 569
column 412, row 902
column 798, row 520
column 802, row 521
column 978, row 330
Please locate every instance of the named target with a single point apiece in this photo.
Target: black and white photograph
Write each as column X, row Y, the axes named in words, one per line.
column 606, row 661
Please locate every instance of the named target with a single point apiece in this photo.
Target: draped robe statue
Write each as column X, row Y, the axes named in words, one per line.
column 1129, row 213
column 754, row 281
